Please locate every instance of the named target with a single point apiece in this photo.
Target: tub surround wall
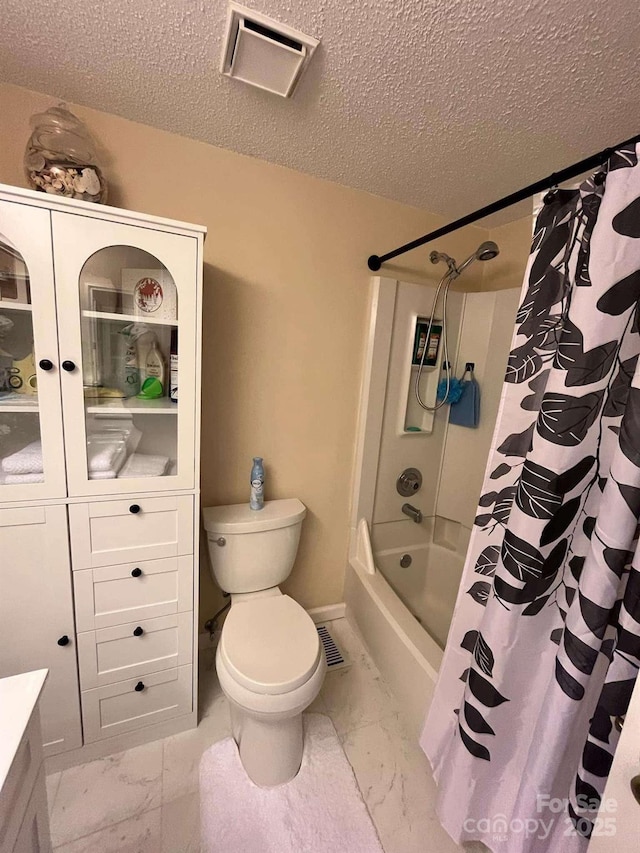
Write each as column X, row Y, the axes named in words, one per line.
column 485, row 339
column 417, row 450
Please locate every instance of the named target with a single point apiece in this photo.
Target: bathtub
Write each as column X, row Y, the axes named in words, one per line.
column 403, row 613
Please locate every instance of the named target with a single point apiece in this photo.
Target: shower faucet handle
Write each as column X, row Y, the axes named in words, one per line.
column 409, row 482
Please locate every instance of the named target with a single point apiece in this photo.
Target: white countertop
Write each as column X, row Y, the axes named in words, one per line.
column 18, row 696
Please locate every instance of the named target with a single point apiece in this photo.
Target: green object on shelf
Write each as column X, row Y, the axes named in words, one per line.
column 151, row 389
column 413, row 429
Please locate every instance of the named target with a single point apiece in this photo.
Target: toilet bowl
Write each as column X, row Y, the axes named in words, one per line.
column 269, row 661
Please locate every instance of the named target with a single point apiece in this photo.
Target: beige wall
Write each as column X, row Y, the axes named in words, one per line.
column 507, row 270
column 285, row 307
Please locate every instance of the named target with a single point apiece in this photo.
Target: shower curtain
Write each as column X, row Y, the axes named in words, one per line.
column 544, row 647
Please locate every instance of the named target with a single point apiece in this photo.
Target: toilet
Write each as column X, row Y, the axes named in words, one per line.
column 270, row 661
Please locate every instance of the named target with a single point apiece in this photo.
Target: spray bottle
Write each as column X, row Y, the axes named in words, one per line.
column 257, row 484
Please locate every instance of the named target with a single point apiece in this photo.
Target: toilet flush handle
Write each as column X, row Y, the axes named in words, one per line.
column 221, row 541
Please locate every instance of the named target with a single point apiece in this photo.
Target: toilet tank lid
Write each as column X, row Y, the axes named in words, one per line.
column 239, row 518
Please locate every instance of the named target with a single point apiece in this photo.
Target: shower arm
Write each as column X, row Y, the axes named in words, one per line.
column 375, row 261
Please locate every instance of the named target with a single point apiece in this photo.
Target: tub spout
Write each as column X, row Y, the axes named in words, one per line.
column 413, row 513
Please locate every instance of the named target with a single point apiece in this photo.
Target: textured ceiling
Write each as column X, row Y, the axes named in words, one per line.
column 446, row 106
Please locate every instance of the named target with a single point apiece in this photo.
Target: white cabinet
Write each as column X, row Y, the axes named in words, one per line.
column 36, row 615
column 100, row 314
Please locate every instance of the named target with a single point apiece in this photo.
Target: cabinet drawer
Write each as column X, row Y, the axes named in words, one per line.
column 117, row 708
column 129, row 651
column 114, row 596
column 107, row 532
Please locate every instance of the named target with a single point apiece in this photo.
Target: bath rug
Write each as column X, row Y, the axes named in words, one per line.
column 320, row 811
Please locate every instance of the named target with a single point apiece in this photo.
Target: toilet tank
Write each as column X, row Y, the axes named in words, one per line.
column 252, row 550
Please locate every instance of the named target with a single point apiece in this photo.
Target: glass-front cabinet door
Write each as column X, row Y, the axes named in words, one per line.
column 31, row 441
column 127, row 321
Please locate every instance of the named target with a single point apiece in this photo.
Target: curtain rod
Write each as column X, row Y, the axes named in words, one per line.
column 376, row 261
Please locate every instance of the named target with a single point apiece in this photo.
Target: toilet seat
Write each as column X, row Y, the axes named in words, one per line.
column 270, row 645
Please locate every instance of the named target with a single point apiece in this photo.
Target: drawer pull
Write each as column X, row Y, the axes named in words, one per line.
column 135, row 573
column 68, row 365
column 64, row 640
column 45, row 364
column 138, row 632
column 139, row 687
column 134, row 508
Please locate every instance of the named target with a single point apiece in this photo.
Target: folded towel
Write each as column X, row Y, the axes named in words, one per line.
column 25, row 461
column 16, row 479
column 103, row 475
column 142, row 465
column 107, row 450
column 102, row 453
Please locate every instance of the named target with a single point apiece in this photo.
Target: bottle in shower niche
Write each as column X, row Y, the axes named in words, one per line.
column 173, row 366
column 257, row 484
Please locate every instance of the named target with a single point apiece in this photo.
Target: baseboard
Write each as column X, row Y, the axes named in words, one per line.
column 327, row 613
column 318, row 614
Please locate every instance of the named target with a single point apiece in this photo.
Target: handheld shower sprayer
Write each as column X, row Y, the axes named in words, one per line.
column 485, row 252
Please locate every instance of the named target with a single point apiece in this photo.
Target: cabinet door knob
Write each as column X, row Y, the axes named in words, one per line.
column 135, row 573
column 69, row 366
column 63, row 641
column 138, row 632
column 46, row 364
column 134, row 508
column 139, row 687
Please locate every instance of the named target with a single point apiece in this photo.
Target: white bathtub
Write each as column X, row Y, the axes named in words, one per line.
column 407, row 650
column 428, row 586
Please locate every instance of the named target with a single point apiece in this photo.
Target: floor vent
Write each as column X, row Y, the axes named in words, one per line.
column 336, row 659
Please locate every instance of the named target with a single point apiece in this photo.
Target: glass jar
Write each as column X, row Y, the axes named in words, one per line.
column 61, row 157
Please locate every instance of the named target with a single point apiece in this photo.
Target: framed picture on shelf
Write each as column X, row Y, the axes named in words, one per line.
column 150, row 293
column 101, row 295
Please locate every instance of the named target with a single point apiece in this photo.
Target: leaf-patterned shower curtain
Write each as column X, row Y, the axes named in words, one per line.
column 544, row 647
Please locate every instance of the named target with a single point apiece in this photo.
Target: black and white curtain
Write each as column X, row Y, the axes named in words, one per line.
column 544, row 647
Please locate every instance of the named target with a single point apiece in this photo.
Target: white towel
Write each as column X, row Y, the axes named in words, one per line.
column 142, row 465
column 16, row 479
column 103, row 475
column 107, row 450
column 25, row 461
column 102, row 454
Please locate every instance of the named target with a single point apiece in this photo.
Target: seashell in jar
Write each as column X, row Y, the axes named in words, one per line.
column 92, row 181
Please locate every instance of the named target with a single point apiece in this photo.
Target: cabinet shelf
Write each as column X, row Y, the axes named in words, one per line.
column 132, row 406
column 129, row 318
column 5, row 305
column 19, row 403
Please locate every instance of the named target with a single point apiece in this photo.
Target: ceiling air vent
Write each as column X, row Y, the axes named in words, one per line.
column 263, row 52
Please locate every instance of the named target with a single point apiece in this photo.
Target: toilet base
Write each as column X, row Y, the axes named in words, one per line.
column 270, row 750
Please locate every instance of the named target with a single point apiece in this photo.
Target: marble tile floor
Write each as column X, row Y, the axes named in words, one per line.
column 146, row 800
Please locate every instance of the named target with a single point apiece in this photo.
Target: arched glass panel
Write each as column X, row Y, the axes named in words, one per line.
column 21, row 460
column 129, row 310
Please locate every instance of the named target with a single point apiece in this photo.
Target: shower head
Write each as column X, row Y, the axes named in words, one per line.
column 486, row 251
